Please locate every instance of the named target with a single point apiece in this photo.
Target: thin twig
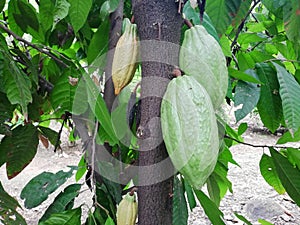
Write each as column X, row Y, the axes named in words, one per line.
column 241, row 26
column 32, row 45
column 93, row 158
column 257, row 146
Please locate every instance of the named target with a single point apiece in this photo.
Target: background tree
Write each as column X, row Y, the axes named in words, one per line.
column 56, row 64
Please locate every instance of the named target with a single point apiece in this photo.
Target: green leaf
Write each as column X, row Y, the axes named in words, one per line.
column 109, row 221
column 6, row 113
column 210, row 208
column 17, row 84
column 242, row 128
column 246, row 38
column 82, row 168
column 100, row 110
column 78, row 12
column 292, row 21
column 96, row 47
column 2, row 4
column 264, row 222
column 19, row 148
column 70, row 217
column 50, row 134
column 289, row 92
column 213, row 189
column 14, row 10
column 288, row 137
column 46, row 14
column 27, row 16
column 289, row 175
column 242, row 12
column 8, row 206
column 221, row 13
column 294, row 156
column 242, row 76
column 63, row 201
column 60, row 12
column 269, row 104
column 108, row 7
column 245, row 61
column 180, row 211
column 247, row 95
column 190, row 195
column 38, row 188
column 268, row 171
column 242, row 218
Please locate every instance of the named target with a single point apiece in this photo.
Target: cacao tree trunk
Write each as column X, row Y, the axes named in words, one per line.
column 159, row 22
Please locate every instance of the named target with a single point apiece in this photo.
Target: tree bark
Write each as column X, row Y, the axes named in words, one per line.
column 160, row 22
column 116, row 21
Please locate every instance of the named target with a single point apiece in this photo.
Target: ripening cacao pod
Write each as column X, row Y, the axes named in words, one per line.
column 201, row 57
column 127, row 210
column 125, row 57
column 189, row 129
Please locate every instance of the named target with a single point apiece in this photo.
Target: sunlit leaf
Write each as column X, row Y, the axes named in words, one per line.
column 69, row 217
column 78, row 12
column 289, row 92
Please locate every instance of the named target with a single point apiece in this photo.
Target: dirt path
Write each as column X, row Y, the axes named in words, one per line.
column 251, row 194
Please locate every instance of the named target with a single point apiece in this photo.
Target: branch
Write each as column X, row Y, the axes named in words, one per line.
column 32, row 45
column 257, row 146
column 241, row 26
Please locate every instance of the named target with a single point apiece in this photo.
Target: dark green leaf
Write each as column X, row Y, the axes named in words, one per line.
column 242, row 218
column 2, row 4
column 213, row 189
column 247, row 95
column 20, row 148
column 289, row 92
column 8, row 212
column 268, row 171
column 242, row 128
column 6, row 110
column 27, row 16
column 99, row 108
column 17, row 84
column 242, row 76
column 210, row 208
column 222, row 12
column 63, row 201
column 70, row 217
column 96, row 47
column 190, row 195
column 289, row 175
column 38, row 188
column 13, row 9
column 269, row 105
column 46, row 14
column 50, row 134
column 78, row 12
column 180, row 211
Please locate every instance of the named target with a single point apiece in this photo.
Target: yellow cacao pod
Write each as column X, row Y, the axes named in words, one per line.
column 127, row 210
column 189, row 129
column 125, row 57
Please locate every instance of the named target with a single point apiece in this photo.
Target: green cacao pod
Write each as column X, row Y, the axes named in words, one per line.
column 189, row 129
column 201, row 57
column 125, row 57
column 127, row 210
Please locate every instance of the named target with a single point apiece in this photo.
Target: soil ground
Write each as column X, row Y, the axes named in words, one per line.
column 252, row 197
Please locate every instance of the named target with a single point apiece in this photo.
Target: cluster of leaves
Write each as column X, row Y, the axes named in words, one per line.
column 42, row 77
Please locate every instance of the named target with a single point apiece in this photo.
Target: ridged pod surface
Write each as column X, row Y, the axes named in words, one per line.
column 201, row 57
column 127, row 210
column 125, row 57
column 190, row 129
